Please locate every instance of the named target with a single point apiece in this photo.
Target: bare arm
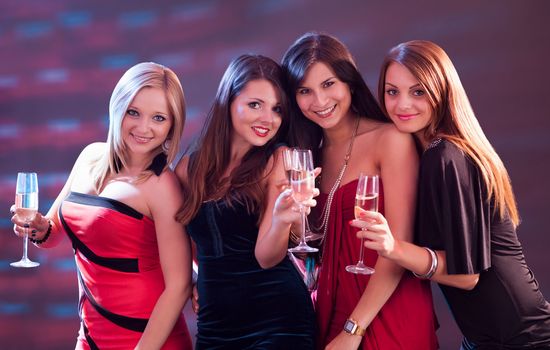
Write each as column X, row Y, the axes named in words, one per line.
column 413, row 257
column 164, row 199
column 40, row 222
column 272, row 243
column 398, row 171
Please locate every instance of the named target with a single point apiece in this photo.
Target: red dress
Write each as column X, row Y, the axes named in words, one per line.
column 406, row 321
column 119, row 272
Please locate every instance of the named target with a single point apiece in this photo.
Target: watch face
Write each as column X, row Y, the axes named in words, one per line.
column 349, row 326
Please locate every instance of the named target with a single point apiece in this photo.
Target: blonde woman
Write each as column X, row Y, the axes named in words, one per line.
column 118, row 209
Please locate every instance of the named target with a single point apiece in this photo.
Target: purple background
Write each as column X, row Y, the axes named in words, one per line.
column 60, row 61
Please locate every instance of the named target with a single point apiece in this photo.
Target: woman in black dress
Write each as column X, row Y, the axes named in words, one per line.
column 466, row 214
column 250, row 295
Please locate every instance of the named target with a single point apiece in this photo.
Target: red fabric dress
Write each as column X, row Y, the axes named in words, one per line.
column 119, row 272
column 406, row 321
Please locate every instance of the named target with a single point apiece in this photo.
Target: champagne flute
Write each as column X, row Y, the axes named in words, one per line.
column 26, row 206
column 366, row 199
column 287, row 164
column 302, row 182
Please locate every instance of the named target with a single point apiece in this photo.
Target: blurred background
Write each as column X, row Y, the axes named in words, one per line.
column 61, row 59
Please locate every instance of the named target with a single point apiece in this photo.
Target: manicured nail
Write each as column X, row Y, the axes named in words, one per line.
column 33, row 234
column 33, row 231
column 26, row 226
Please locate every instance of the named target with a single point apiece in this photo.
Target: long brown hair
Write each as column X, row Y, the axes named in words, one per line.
column 310, row 48
column 453, row 116
column 142, row 75
column 211, row 156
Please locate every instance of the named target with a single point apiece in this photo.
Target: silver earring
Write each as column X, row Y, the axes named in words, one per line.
column 166, row 145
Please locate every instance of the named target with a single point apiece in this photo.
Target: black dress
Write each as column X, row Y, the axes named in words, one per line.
column 506, row 309
column 243, row 306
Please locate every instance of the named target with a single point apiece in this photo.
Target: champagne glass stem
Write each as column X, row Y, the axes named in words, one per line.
column 360, row 262
column 303, row 228
column 25, row 244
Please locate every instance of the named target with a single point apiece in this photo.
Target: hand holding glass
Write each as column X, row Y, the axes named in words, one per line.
column 287, row 164
column 366, row 199
column 26, row 206
column 302, row 183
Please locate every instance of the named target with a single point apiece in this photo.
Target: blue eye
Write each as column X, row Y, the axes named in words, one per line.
column 132, row 112
column 418, row 92
column 391, row 92
column 159, row 118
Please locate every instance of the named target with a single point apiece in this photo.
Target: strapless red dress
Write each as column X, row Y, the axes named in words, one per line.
column 119, row 273
column 406, row 321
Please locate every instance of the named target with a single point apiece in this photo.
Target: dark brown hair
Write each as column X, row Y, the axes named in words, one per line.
column 210, row 158
column 316, row 47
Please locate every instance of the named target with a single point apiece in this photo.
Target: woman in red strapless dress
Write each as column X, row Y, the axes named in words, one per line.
column 118, row 209
column 337, row 117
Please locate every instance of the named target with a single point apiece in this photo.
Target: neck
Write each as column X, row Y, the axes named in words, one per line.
column 238, row 150
column 341, row 133
column 136, row 164
column 422, row 140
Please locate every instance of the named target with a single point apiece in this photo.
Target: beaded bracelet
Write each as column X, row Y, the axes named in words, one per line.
column 433, row 266
column 46, row 236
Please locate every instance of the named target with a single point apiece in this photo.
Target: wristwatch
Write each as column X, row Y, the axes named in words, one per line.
column 352, row 327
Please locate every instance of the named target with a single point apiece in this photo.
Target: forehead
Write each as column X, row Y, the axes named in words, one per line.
column 397, row 74
column 318, row 72
column 260, row 89
column 150, row 95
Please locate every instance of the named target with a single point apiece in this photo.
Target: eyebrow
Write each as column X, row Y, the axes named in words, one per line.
column 257, row 99
column 324, row 81
column 157, row 112
column 412, row 87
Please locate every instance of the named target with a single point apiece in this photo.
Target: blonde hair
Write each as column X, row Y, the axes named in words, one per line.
column 142, row 75
column 453, row 116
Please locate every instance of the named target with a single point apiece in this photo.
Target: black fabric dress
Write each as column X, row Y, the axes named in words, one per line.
column 506, row 309
column 241, row 305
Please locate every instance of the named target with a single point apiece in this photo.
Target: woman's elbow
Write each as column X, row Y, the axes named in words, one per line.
column 264, row 263
column 469, row 282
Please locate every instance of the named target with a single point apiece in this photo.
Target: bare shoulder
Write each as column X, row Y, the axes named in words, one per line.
column 390, row 137
column 165, row 184
column 275, row 162
column 89, row 155
column 162, row 194
column 92, row 152
column 274, row 171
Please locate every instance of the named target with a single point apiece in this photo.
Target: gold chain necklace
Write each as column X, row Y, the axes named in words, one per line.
column 328, row 203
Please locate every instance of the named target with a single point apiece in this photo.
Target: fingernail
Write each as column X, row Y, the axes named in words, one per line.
column 26, row 226
column 33, row 232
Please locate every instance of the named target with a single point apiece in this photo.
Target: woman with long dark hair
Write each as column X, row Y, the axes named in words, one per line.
column 335, row 114
column 235, row 210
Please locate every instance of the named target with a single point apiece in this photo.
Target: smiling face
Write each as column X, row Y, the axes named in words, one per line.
column 255, row 114
column 406, row 100
column 147, row 121
column 322, row 97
